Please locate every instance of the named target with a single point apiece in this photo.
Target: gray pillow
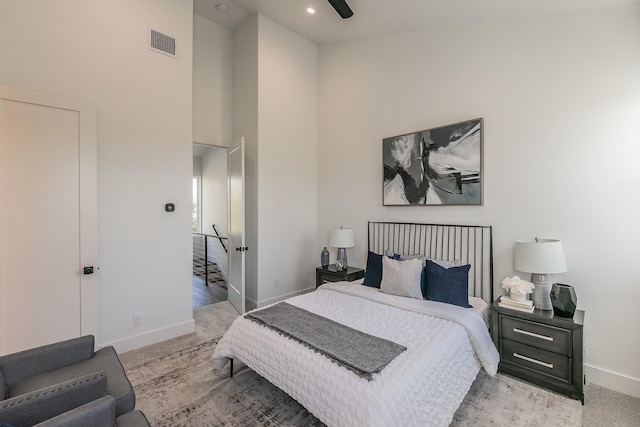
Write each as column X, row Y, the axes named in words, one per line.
column 401, row 277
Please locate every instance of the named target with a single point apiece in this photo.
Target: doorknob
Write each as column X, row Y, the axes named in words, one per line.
column 87, row 270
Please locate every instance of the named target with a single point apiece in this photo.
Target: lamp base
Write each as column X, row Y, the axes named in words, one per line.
column 341, row 259
column 541, row 292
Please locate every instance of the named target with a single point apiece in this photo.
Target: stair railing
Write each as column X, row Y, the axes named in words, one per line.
column 206, row 250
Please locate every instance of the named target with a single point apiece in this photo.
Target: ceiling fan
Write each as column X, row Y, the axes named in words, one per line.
column 342, row 8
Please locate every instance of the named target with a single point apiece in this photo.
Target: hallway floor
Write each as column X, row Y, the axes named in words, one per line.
column 205, row 295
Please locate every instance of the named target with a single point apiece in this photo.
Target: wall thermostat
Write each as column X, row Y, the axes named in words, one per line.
column 169, row 207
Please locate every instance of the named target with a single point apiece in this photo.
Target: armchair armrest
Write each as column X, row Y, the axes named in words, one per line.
column 34, row 407
column 98, row 413
column 24, row 364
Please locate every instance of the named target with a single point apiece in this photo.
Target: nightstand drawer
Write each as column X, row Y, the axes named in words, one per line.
column 331, row 274
column 546, row 337
column 543, row 361
column 328, row 278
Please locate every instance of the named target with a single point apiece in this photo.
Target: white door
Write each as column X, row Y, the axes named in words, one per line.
column 237, row 247
column 47, row 219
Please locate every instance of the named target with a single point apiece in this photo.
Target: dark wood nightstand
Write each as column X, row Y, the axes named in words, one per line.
column 330, row 274
column 540, row 348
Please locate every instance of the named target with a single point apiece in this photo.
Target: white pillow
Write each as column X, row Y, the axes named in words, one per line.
column 442, row 263
column 447, row 264
column 401, row 277
column 422, row 258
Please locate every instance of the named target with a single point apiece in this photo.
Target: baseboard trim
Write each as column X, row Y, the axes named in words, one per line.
column 151, row 337
column 612, row 380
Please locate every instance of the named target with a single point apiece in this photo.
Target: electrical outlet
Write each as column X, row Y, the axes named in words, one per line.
column 276, row 282
column 138, row 319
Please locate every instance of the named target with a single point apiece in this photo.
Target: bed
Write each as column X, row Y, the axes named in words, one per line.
column 445, row 345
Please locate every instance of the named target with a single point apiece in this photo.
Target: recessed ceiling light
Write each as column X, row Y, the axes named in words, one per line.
column 222, row 8
column 311, row 10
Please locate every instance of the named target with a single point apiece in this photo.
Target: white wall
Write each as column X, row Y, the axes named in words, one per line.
column 275, row 108
column 212, row 82
column 560, row 97
column 197, row 166
column 287, row 87
column 97, row 51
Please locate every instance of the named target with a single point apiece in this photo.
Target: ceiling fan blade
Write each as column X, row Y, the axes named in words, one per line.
column 342, row 8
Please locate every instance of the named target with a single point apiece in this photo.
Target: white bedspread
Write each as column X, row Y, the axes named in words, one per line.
column 423, row 386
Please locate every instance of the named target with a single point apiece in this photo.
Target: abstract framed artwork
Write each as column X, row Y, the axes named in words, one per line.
column 435, row 167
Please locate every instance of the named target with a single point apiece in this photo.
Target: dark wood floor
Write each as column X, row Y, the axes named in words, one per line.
column 204, row 295
column 216, row 291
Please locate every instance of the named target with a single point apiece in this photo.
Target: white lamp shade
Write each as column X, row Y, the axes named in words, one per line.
column 341, row 238
column 540, row 256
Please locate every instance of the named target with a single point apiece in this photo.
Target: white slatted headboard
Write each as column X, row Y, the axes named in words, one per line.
column 471, row 244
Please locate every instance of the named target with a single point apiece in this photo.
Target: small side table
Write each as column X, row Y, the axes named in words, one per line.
column 541, row 348
column 330, row 274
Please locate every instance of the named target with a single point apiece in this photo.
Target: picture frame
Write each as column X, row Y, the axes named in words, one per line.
column 440, row 166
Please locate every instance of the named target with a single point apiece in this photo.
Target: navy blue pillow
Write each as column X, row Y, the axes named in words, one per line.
column 373, row 272
column 448, row 285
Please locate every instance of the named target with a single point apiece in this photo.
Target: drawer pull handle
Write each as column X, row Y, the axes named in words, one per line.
column 532, row 334
column 529, row 359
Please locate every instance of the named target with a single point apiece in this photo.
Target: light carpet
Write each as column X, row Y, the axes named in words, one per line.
column 176, row 385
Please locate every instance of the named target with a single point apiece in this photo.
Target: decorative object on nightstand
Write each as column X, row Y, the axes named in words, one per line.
column 341, row 238
column 541, row 348
column 324, row 258
column 518, row 289
column 506, row 302
column 331, row 274
column 540, row 257
column 563, row 300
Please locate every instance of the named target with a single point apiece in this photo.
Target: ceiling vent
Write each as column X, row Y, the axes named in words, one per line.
column 162, row 43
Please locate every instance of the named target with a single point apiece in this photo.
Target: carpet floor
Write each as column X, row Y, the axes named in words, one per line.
column 177, row 385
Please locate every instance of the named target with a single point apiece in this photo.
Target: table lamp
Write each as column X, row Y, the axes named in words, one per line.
column 540, row 257
column 341, row 238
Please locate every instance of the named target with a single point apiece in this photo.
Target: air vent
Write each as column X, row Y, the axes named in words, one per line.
column 162, row 43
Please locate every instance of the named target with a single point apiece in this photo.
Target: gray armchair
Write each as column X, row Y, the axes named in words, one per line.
column 99, row 413
column 76, row 403
column 38, row 368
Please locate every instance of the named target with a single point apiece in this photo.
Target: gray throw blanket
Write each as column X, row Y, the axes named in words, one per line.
column 362, row 353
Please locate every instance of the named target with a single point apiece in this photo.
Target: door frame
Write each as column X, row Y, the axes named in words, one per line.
column 226, row 201
column 88, row 193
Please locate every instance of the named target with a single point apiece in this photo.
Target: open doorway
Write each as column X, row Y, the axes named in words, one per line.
column 209, row 226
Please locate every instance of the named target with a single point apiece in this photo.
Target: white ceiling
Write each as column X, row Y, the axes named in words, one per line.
column 377, row 17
